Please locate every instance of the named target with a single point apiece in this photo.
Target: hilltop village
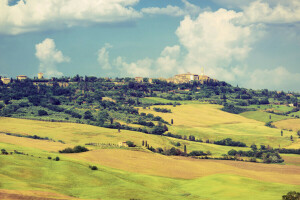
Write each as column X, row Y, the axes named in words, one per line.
column 177, row 79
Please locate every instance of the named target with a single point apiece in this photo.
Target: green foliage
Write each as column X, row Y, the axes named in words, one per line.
column 230, row 142
column 293, row 195
column 88, row 115
column 93, row 167
column 130, row 144
column 42, row 113
column 76, row 149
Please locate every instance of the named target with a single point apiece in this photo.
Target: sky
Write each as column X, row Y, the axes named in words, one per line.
column 250, row 43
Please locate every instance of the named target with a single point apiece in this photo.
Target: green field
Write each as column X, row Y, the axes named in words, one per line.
column 72, row 177
column 263, row 116
column 206, row 121
column 137, row 173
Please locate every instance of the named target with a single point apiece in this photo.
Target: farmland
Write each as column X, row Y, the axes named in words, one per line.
column 125, row 170
column 209, row 122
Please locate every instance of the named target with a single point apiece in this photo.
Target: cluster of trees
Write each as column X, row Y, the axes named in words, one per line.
column 292, row 195
column 76, row 149
column 32, row 137
column 230, row 142
column 289, row 151
column 233, row 109
column 267, row 155
column 4, row 152
column 163, row 110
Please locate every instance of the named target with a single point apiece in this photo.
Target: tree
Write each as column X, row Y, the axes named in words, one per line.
column 291, row 138
column 281, row 132
column 42, row 113
column 184, row 149
column 172, row 121
column 143, row 142
column 130, row 144
column 293, row 195
column 298, row 133
column 57, row 159
column 102, row 117
column 88, row 115
column 253, row 147
column 111, row 120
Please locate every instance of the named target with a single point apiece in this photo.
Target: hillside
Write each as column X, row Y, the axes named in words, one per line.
column 125, row 171
column 86, row 138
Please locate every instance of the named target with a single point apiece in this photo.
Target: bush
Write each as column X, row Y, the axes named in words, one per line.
column 93, row 167
column 42, row 113
column 197, row 153
column 76, row 149
column 57, row 159
column 49, row 157
column 130, row 144
column 293, row 195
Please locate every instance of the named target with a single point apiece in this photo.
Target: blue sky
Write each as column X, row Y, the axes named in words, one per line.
column 255, row 44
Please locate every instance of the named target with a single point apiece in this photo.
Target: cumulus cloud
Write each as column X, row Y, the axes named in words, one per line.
column 279, row 78
column 214, row 40
column 166, row 63
column 263, row 12
column 188, row 9
column 49, row 57
column 103, row 57
column 36, row 15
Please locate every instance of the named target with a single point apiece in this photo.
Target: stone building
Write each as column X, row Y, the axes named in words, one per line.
column 40, row 75
column 5, row 80
column 21, row 77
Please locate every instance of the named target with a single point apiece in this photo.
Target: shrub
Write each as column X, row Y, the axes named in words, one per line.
column 130, row 144
column 293, row 195
column 49, row 157
column 76, row 149
column 57, row 159
column 42, row 113
column 93, row 167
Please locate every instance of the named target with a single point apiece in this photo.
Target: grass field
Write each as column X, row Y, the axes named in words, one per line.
column 79, row 134
column 213, row 180
column 289, row 124
column 263, row 116
column 206, row 121
column 275, row 108
column 137, row 173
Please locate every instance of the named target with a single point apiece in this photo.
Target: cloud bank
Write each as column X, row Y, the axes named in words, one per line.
column 49, row 57
column 39, row 15
column 220, row 41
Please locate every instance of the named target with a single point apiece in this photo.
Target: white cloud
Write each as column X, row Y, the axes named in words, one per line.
column 188, row 9
column 103, row 56
column 169, row 10
column 279, row 78
column 166, row 63
column 214, row 41
column 36, row 15
column 141, row 67
column 262, row 12
column 49, row 56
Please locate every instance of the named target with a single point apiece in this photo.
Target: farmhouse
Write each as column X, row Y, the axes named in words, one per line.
column 123, row 144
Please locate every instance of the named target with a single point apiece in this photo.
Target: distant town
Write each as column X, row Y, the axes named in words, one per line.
column 177, row 79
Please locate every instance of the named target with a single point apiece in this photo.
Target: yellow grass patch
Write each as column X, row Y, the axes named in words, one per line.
column 32, row 195
column 289, row 124
column 188, row 168
column 38, row 144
